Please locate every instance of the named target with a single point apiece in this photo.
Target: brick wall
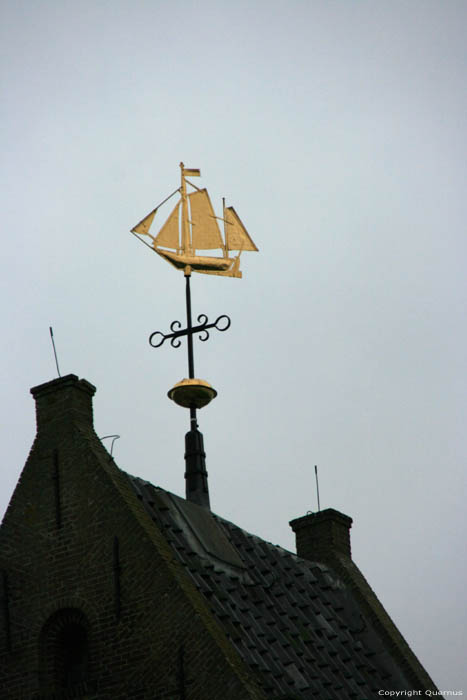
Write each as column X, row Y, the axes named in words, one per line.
column 77, row 549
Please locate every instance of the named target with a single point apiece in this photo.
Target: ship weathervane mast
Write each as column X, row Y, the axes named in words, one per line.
column 187, row 247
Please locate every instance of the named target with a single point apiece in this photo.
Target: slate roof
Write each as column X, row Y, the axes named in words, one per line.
column 293, row 621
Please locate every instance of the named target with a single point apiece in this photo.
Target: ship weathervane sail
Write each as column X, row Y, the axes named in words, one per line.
column 192, row 226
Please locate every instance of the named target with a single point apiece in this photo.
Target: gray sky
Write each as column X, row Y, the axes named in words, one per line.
column 337, row 129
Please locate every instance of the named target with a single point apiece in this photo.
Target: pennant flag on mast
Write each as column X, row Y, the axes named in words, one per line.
column 192, row 172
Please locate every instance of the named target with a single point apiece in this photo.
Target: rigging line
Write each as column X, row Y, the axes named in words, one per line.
column 200, row 189
column 140, row 239
column 154, row 211
column 167, row 198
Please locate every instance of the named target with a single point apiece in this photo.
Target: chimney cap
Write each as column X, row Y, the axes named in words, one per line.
column 321, row 536
column 319, row 517
column 67, row 400
column 63, row 382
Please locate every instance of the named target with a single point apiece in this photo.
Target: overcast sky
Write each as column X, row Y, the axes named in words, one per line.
column 337, row 129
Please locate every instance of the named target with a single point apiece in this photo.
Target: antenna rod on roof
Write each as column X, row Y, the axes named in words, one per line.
column 55, row 352
column 317, row 486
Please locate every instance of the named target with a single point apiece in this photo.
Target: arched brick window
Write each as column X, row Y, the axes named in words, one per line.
column 71, row 655
column 65, row 654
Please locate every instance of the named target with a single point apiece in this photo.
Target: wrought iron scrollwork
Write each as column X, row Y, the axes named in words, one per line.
column 203, row 321
column 153, row 335
column 175, row 327
column 222, row 323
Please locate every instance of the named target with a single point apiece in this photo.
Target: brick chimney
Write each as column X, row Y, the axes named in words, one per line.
column 67, row 400
column 320, row 536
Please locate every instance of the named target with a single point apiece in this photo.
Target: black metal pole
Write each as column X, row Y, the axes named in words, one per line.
column 191, row 362
column 191, row 365
column 195, row 457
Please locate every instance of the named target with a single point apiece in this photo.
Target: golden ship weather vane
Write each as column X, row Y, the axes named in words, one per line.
column 191, row 228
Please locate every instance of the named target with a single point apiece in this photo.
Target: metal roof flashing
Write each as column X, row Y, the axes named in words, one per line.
column 203, row 533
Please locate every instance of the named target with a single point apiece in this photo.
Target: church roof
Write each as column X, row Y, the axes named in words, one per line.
column 294, row 622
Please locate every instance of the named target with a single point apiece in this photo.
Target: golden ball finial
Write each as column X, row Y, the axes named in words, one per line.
column 192, row 393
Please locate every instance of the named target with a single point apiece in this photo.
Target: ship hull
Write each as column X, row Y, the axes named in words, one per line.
column 200, row 263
